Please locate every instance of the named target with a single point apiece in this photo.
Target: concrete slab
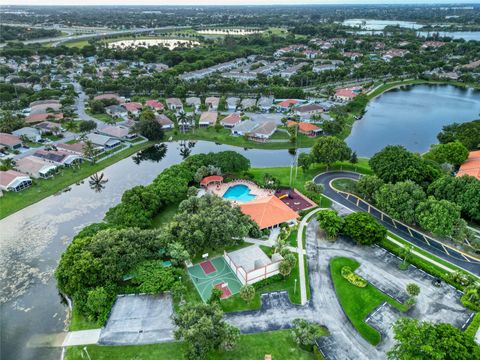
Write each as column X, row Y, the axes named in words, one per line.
column 82, row 337
column 139, row 319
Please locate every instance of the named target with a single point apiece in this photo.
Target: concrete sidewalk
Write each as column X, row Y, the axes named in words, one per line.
column 82, row 337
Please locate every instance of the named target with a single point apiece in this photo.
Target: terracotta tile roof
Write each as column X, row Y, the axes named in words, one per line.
column 163, row 119
column 155, row 104
column 207, row 180
column 132, row 106
column 231, row 119
column 287, row 103
column 209, row 116
column 268, row 211
column 6, row 177
column 303, row 126
column 471, row 166
column 34, row 118
column 9, row 139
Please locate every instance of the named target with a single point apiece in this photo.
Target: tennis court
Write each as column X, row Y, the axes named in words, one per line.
column 214, row 273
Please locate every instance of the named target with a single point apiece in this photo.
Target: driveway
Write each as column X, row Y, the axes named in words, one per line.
column 415, row 237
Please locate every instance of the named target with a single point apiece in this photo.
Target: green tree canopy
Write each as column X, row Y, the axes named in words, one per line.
column 149, row 128
column 399, row 200
column 305, row 333
column 329, row 149
column 363, row 228
column 426, row 341
column 454, row 153
column 395, row 163
column 467, row 133
column 440, row 217
column 367, row 186
column 330, row 222
column 203, row 329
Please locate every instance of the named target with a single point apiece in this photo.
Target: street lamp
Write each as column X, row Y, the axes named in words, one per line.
column 295, row 288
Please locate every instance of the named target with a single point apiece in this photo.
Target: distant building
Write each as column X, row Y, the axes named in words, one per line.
column 174, row 104
column 287, row 104
column 154, row 104
column 116, row 110
column 133, row 107
column 306, row 128
column 35, row 167
column 265, row 102
column 264, row 131
column 212, row 103
column 165, row 121
column 231, row 120
column 208, row 118
column 347, row 94
column 48, row 127
column 117, row 131
column 106, row 142
column 29, row 132
column 232, row 103
column 194, row 102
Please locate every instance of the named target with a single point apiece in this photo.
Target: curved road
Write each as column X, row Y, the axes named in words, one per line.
column 415, row 237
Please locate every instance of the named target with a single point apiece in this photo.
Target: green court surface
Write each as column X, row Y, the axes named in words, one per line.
column 204, row 283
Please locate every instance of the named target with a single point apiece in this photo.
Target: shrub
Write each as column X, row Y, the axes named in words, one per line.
column 363, row 228
column 471, row 297
column 247, row 292
column 413, row 289
column 353, row 278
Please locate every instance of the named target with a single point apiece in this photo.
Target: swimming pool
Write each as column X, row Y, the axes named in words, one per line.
column 239, row 193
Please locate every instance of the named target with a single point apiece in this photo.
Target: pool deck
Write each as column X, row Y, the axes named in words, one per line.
column 220, row 189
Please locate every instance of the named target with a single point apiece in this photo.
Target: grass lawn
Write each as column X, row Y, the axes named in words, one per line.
column 347, row 185
column 292, row 238
column 236, row 303
column 357, row 302
column 79, row 322
column 78, row 44
column 103, row 117
column 42, row 188
column 252, row 346
column 223, row 136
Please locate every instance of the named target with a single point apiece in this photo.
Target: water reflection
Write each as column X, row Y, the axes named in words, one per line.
column 97, row 182
column 154, row 153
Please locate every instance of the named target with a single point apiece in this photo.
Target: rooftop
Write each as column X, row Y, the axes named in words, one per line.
column 268, row 211
column 471, row 166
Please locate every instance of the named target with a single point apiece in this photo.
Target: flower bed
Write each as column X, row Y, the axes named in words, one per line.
column 353, row 278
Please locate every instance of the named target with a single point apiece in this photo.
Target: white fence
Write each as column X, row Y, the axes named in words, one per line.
column 255, row 275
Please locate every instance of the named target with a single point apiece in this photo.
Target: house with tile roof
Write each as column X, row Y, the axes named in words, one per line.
column 35, row 167
column 306, row 128
column 12, row 180
column 231, row 120
column 10, row 141
column 269, row 212
column 208, row 118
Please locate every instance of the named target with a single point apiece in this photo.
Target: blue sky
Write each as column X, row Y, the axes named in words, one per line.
column 224, row 2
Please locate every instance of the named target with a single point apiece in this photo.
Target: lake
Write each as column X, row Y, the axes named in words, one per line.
column 34, row 238
column 412, row 116
column 375, row 27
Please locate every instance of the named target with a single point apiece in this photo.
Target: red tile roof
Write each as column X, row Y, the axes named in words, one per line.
column 268, row 211
column 132, row 106
column 6, row 177
column 213, row 178
column 9, row 139
column 287, row 103
column 154, row 104
column 232, row 119
column 303, row 126
column 471, row 166
column 34, row 118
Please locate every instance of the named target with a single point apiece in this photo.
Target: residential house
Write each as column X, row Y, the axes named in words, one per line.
column 117, row 131
column 265, row 102
column 305, row 128
column 432, row 44
column 347, row 94
column 155, row 105
column 231, row 120
column 292, row 70
column 208, row 118
column 106, row 142
column 286, row 105
column 308, row 110
column 116, row 111
column 194, row 102
column 42, row 106
column 12, row 180
column 35, row 167
column 76, row 148
column 133, row 107
column 58, row 157
column 49, row 127
column 232, row 103
column 244, row 127
column 212, row 103
column 323, row 67
column 248, row 103
column 311, row 54
column 110, row 96
column 10, row 141
column 174, row 104
column 36, row 118
column 30, row 133
column 264, row 131
column 165, row 121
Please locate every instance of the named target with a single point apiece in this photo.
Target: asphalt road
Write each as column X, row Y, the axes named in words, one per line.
column 415, row 237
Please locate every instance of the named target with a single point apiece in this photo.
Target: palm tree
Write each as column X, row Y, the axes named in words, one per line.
column 182, row 121
column 70, row 125
column 97, row 182
column 89, row 150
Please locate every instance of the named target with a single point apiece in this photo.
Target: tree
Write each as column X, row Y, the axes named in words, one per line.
column 363, row 228
column 89, row 150
column 291, row 259
column 367, row 186
column 395, row 163
column 96, row 107
column 209, row 221
column 399, row 200
column 329, row 149
column 467, row 133
column 413, row 289
column 285, row 268
column 151, row 129
column 202, row 328
column 463, row 191
column 10, row 122
column 330, row 222
column 354, row 158
column 98, row 304
column 454, row 153
column 305, row 333
column 147, row 115
column 247, row 292
column 87, row 126
column 425, row 341
column 305, row 161
column 215, row 296
column 438, row 216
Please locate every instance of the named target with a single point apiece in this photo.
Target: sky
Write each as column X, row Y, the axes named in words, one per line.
column 223, row 2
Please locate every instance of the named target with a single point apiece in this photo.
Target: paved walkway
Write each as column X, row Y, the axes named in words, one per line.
column 82, row 337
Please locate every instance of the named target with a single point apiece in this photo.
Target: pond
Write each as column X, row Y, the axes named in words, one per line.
column 168, row 43
column 34, row 238
column 412, row 116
